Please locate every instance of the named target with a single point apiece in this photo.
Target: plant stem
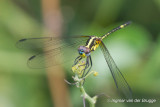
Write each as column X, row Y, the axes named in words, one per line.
column 91, row 100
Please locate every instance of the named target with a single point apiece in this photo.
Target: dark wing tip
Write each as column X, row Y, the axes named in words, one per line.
column 32, row 57
column 18, row 43
column 31, row 63
column 21, row 40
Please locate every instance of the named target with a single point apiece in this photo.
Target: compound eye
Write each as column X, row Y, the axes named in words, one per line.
column 82, row 50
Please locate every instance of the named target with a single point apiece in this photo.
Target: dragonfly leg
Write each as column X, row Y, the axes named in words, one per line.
column 86, row 66
column 77, row 60
column 90, row 59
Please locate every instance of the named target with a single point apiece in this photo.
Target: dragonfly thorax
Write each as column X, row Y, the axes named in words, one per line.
column 97, row 41
column 84, row 51
column 93, row 43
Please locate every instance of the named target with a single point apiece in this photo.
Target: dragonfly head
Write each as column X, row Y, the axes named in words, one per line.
column 83, row 51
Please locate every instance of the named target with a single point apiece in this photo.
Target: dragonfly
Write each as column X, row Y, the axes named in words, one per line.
column 61, row 48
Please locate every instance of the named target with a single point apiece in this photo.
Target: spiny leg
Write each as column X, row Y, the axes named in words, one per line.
column 88, row 63
column 86, row 66
column 77, row 60
column 90, row 59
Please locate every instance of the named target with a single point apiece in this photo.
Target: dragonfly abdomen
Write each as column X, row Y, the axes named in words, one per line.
column 115, row 29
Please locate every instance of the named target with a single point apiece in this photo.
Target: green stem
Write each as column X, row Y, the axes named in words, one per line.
column 91, row 100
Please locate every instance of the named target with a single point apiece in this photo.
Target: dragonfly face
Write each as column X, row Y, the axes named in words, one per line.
column 84, row 51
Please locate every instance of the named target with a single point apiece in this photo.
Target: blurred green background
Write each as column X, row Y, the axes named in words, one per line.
column 135, row 49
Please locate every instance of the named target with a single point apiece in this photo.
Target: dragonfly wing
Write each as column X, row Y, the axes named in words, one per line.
column 46, row 42
column 52, row 57
column 56, row 50
column 119, row 79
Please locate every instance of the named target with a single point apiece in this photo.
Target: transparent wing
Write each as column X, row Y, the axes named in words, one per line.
column 119, row 79
column 46, row 42
column 53, row 51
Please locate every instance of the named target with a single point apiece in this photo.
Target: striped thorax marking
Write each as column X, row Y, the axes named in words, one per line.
column 93, row 43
